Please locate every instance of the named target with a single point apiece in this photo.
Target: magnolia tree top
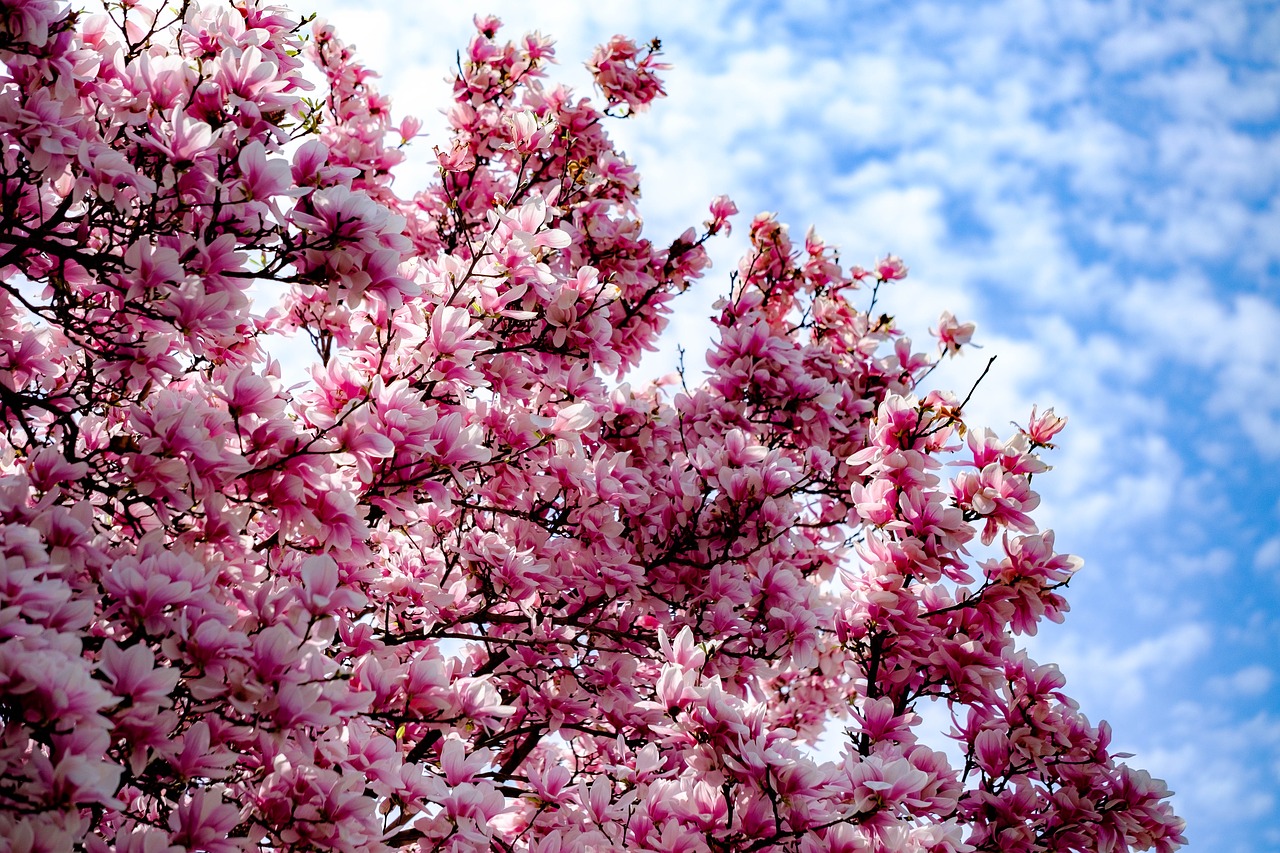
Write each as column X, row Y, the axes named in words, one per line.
column 460, row 591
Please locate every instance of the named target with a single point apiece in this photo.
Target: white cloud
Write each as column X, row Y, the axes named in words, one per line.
column 1127, row 676
column 1268, row 554
column 1230, row 340
column 1216, row 563
column 1251, row 681
column 1226, row 768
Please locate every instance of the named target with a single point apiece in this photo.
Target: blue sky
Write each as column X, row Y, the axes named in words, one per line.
column 1095, row 183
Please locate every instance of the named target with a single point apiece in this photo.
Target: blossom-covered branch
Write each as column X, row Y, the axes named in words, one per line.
column 460, row 590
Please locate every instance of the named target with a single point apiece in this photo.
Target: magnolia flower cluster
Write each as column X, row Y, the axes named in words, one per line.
column 460, row 591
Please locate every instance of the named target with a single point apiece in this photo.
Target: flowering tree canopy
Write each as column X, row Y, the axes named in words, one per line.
column 458, row 591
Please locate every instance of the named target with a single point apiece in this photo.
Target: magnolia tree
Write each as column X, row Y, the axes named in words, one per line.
column 458, row 591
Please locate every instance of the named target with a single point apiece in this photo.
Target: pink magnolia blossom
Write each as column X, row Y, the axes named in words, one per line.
column 459, row 590
column 890, row 267
column 1044, row 427
column 722, row 207
column 952, row 334
column 626, row 75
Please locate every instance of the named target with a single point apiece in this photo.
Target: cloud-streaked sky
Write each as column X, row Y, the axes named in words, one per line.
column 1095, row 183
